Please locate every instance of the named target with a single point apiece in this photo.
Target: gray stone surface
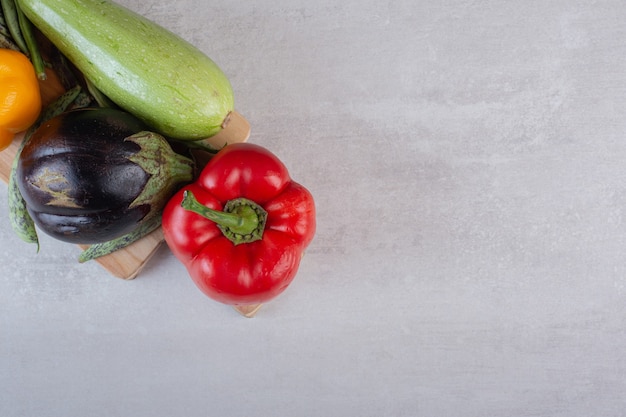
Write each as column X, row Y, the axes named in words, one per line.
column 467, row 160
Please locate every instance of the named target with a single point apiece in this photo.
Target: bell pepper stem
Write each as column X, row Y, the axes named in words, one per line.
column 242, row 220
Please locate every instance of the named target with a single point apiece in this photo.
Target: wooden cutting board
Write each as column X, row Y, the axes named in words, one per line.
column 125, row 263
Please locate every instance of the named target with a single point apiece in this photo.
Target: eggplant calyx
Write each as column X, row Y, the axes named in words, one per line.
column 166, row 168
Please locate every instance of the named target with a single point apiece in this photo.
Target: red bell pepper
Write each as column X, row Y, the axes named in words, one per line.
column 242, row 227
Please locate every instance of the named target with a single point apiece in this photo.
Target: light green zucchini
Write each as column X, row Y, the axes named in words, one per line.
column 145, row 69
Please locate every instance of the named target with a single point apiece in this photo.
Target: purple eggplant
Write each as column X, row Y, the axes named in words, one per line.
column 93, row 175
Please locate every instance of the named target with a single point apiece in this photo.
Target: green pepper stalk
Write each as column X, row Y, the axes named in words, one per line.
column 242, row 220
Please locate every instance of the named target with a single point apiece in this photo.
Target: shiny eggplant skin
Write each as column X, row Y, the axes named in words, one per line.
column 77, row 179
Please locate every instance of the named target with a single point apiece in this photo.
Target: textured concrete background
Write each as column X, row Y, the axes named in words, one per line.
column 467, row 159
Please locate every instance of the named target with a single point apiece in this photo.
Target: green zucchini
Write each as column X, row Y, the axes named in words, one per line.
column 145, row 69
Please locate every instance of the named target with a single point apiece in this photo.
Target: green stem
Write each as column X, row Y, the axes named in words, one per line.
column 31, row 44
column 242, row 220
column 102, row 249
column 12, row 20
column 101, row 99
column 166, row 168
